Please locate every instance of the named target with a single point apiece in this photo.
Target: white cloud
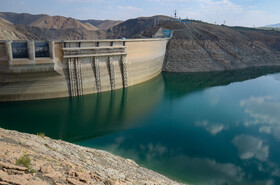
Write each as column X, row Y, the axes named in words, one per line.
column 265, row 112
column 251, row 147
column 129, row 8
column 153, row 150
column 225, row 10
column 265, row 129
column 199, row 170
column 208, row 171
column 212, row 128
column 80, row 1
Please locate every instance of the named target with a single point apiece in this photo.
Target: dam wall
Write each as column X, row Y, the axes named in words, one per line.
column 31, row 70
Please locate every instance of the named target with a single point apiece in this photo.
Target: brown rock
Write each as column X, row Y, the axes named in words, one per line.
column 12, row 166
column 46, row 169
column 17, row 172
column 27, row 176
column 53, row 175
column 95, row 176
column 74, row 181
column 3, row 183
column 36, row 182
column 119, row 183
column 84, row 177
column 13, row 179
column 71, row 173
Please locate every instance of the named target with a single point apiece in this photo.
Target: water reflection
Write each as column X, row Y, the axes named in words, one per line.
column 196, row 128
column 180, row 84
column 202, row 135
column 213, row 128
column 251, row 147
column 89, row 116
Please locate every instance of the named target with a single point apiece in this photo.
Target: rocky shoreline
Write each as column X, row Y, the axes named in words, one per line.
column 36, row 159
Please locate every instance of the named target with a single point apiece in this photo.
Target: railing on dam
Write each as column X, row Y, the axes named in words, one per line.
column 26, row 52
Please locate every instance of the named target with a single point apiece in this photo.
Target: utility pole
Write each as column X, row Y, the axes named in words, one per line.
column 175, row 14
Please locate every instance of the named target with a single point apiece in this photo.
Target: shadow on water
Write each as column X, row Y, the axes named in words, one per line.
column 180, row 84
column 83, row 117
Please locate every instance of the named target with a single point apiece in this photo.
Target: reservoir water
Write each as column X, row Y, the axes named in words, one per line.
column 197, row 128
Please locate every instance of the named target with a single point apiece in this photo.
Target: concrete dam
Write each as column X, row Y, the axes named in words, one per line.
column 32, row 70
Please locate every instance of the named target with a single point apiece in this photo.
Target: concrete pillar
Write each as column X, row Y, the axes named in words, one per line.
column 51, row 50
column 72, row 79
column 97, row 75
column 124, row 71
column 31, row 51
column 9, row 52
column 79, row 77
column 112, row 72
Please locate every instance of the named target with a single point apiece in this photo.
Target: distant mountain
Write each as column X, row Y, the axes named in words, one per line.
column 43, row 26
column 135, row 28
column 273, row 25
column 24, row 26
column 9, row 31
column 102, row 25
column 45, row 21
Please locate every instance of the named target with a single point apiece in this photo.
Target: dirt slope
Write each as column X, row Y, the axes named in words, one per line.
column 102, row 25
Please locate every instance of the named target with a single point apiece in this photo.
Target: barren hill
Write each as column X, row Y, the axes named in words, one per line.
column 134, row 28
column 8, row 31
column 102, row 25
column 45, row 21
column 63, row 34
column 199, row 46
column 40, row 27
column 23, row 18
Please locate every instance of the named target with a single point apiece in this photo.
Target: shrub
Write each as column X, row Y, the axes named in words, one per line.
column 24, row 160
column 42, row 135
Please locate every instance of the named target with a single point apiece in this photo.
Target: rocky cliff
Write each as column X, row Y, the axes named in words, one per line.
column 27, row 159
column 200, row 46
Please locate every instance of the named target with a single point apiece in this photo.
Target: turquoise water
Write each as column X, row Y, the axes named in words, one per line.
column 200, row 128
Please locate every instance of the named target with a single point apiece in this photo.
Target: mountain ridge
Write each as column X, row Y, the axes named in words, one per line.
column 273, row 25
column 45, row 21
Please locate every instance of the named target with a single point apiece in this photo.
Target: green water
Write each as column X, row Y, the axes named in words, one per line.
column 200, row 128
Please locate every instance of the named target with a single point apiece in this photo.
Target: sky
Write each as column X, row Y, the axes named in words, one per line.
column 247, row 13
